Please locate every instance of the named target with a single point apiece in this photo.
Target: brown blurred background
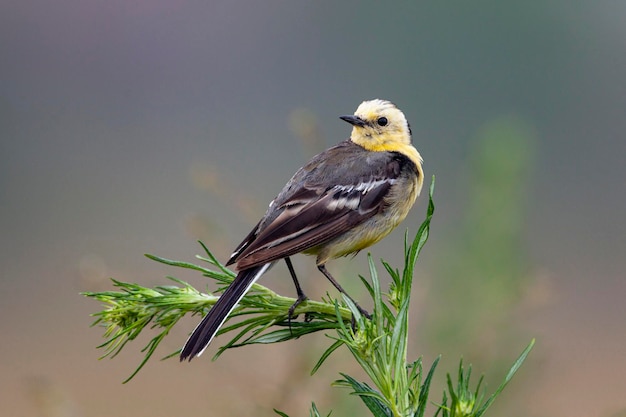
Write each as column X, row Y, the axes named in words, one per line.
column 134, row 127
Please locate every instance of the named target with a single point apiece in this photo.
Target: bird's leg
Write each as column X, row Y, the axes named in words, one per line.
column 324, row 271
column 301, row 295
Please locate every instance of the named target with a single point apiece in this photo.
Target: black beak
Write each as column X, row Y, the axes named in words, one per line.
column 353, row 120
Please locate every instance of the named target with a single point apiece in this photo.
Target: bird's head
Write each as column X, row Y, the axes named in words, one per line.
column 378, row 125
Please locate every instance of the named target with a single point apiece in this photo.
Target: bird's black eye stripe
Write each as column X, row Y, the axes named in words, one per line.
column 382, row 121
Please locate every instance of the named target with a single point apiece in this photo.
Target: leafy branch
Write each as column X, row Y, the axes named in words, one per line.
column 133, row 307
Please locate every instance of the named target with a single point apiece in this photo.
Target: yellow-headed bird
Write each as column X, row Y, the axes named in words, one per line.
column 343, row 200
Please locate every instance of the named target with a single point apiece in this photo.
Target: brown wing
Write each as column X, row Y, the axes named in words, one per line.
column 306, row 225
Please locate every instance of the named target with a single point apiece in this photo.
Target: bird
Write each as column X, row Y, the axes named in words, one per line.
column 343, row 200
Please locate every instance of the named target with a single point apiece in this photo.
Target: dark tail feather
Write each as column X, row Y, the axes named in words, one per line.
column 211, row 323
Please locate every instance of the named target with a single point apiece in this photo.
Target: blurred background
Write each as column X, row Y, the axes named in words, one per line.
column 140, row 127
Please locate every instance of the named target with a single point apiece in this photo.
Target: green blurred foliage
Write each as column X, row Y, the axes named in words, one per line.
column 482, row 273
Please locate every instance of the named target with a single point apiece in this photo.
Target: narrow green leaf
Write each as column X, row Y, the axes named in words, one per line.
column 326, row 354
column 424, row 391
column 150, row 348
column 178, row 264
column 314, row 412
column 443, row 407
column 398, row 342
column 367, row 286
column 518, row 363
column 213, row 260
column 378, row 300
column 418, row 243
column 371, row 398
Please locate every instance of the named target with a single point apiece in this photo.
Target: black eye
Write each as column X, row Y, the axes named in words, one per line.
column 382, row 121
